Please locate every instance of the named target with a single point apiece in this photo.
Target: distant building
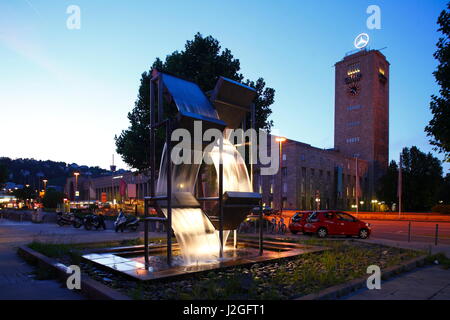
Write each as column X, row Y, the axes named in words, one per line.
column 326, row 179
column 120, row 186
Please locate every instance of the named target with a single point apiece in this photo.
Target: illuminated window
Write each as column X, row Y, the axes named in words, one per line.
column 381, row 71
column 353, row 70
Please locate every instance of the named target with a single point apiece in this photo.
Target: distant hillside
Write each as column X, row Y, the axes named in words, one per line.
column 31, row 171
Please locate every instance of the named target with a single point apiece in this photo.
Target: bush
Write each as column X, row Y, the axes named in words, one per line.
column 441, row 208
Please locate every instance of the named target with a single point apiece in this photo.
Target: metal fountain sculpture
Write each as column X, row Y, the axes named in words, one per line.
column 201, row 214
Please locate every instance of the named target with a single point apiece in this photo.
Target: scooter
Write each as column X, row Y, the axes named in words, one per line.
column 126, row 222
column 94, row 220
column 68, row 218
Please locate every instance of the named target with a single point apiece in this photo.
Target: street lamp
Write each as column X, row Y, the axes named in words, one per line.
column 374, row 203
column 76, row 174
column 45, row 184
column 280, row 140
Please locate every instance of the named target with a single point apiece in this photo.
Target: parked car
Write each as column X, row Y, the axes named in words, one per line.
column 324, row 223
column 298, row 221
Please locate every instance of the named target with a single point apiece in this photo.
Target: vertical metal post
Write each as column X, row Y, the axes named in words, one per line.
column 221, row 196
column 152, row 168
column 160, row 98
column 281, row 178
column 436, row 235
column 409, row 231
column 169, row 192
column 235, row 238
column 251, row 146
column 147, row 263
column 260, row 228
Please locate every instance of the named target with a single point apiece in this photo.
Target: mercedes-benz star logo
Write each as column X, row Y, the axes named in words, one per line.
column 361, row 41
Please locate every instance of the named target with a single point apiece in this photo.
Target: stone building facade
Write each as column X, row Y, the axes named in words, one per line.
column 312, row 178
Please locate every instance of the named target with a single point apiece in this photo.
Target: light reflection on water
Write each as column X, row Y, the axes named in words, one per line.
column 199, row 241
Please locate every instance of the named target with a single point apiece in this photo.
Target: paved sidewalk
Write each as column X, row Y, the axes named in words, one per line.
column 16, row 279
column 18, row 283
column 428, row 283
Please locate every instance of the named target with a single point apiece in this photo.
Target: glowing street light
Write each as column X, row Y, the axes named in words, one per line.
column 76, row 174
column 45, row 184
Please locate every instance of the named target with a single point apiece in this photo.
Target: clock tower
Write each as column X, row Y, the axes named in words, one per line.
column 361, row 120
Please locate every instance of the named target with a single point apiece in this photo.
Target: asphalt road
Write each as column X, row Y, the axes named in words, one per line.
column 420, row 231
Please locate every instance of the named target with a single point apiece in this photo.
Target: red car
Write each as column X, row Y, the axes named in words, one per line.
column 325, row 223
column 298, row 221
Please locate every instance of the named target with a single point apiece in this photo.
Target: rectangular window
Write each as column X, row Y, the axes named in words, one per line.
column 353, row 123
column 284, row 171
column 284, row 187
column 353, row 70
column 352, row 140
column 351, row 108
column 284, row 156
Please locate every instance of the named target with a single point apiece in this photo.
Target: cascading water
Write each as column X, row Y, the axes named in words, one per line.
column 199, row 241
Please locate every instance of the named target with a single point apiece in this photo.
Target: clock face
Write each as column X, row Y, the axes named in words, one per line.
column 353, row 89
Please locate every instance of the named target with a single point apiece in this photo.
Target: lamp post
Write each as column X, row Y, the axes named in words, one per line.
column 374, row 203
column 45, row 184
column 280, row 140
column 76, row 174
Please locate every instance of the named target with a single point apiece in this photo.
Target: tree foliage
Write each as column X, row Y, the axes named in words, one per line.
column 422, row 181
column 24, row 194
column 52, row 198
column 202, row 61
column 3, row 174
column 439, row 126
column 388, row 185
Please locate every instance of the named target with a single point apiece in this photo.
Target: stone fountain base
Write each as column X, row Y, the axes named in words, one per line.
column 129, row 261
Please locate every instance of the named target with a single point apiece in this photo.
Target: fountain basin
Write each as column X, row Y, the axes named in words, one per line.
column 129, row 261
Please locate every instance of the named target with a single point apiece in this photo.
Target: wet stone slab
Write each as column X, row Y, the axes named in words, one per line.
column 132, row 263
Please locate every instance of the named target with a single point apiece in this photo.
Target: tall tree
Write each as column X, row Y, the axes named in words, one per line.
column 202, row 61
column 439, row 126
column 388, row 185
column 422, row 181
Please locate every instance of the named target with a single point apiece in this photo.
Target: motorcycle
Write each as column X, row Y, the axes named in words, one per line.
column 94, row 221
column 68, row 218
column 126, row 222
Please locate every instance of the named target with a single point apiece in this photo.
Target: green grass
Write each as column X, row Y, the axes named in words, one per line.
column 441, row 258
column 293, row 277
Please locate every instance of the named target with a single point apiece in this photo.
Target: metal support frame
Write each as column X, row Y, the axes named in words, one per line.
column 221, row 197
column 156, row 87
column 169, row 194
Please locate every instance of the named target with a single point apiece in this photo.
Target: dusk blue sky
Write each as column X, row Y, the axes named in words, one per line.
column 64, row 93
